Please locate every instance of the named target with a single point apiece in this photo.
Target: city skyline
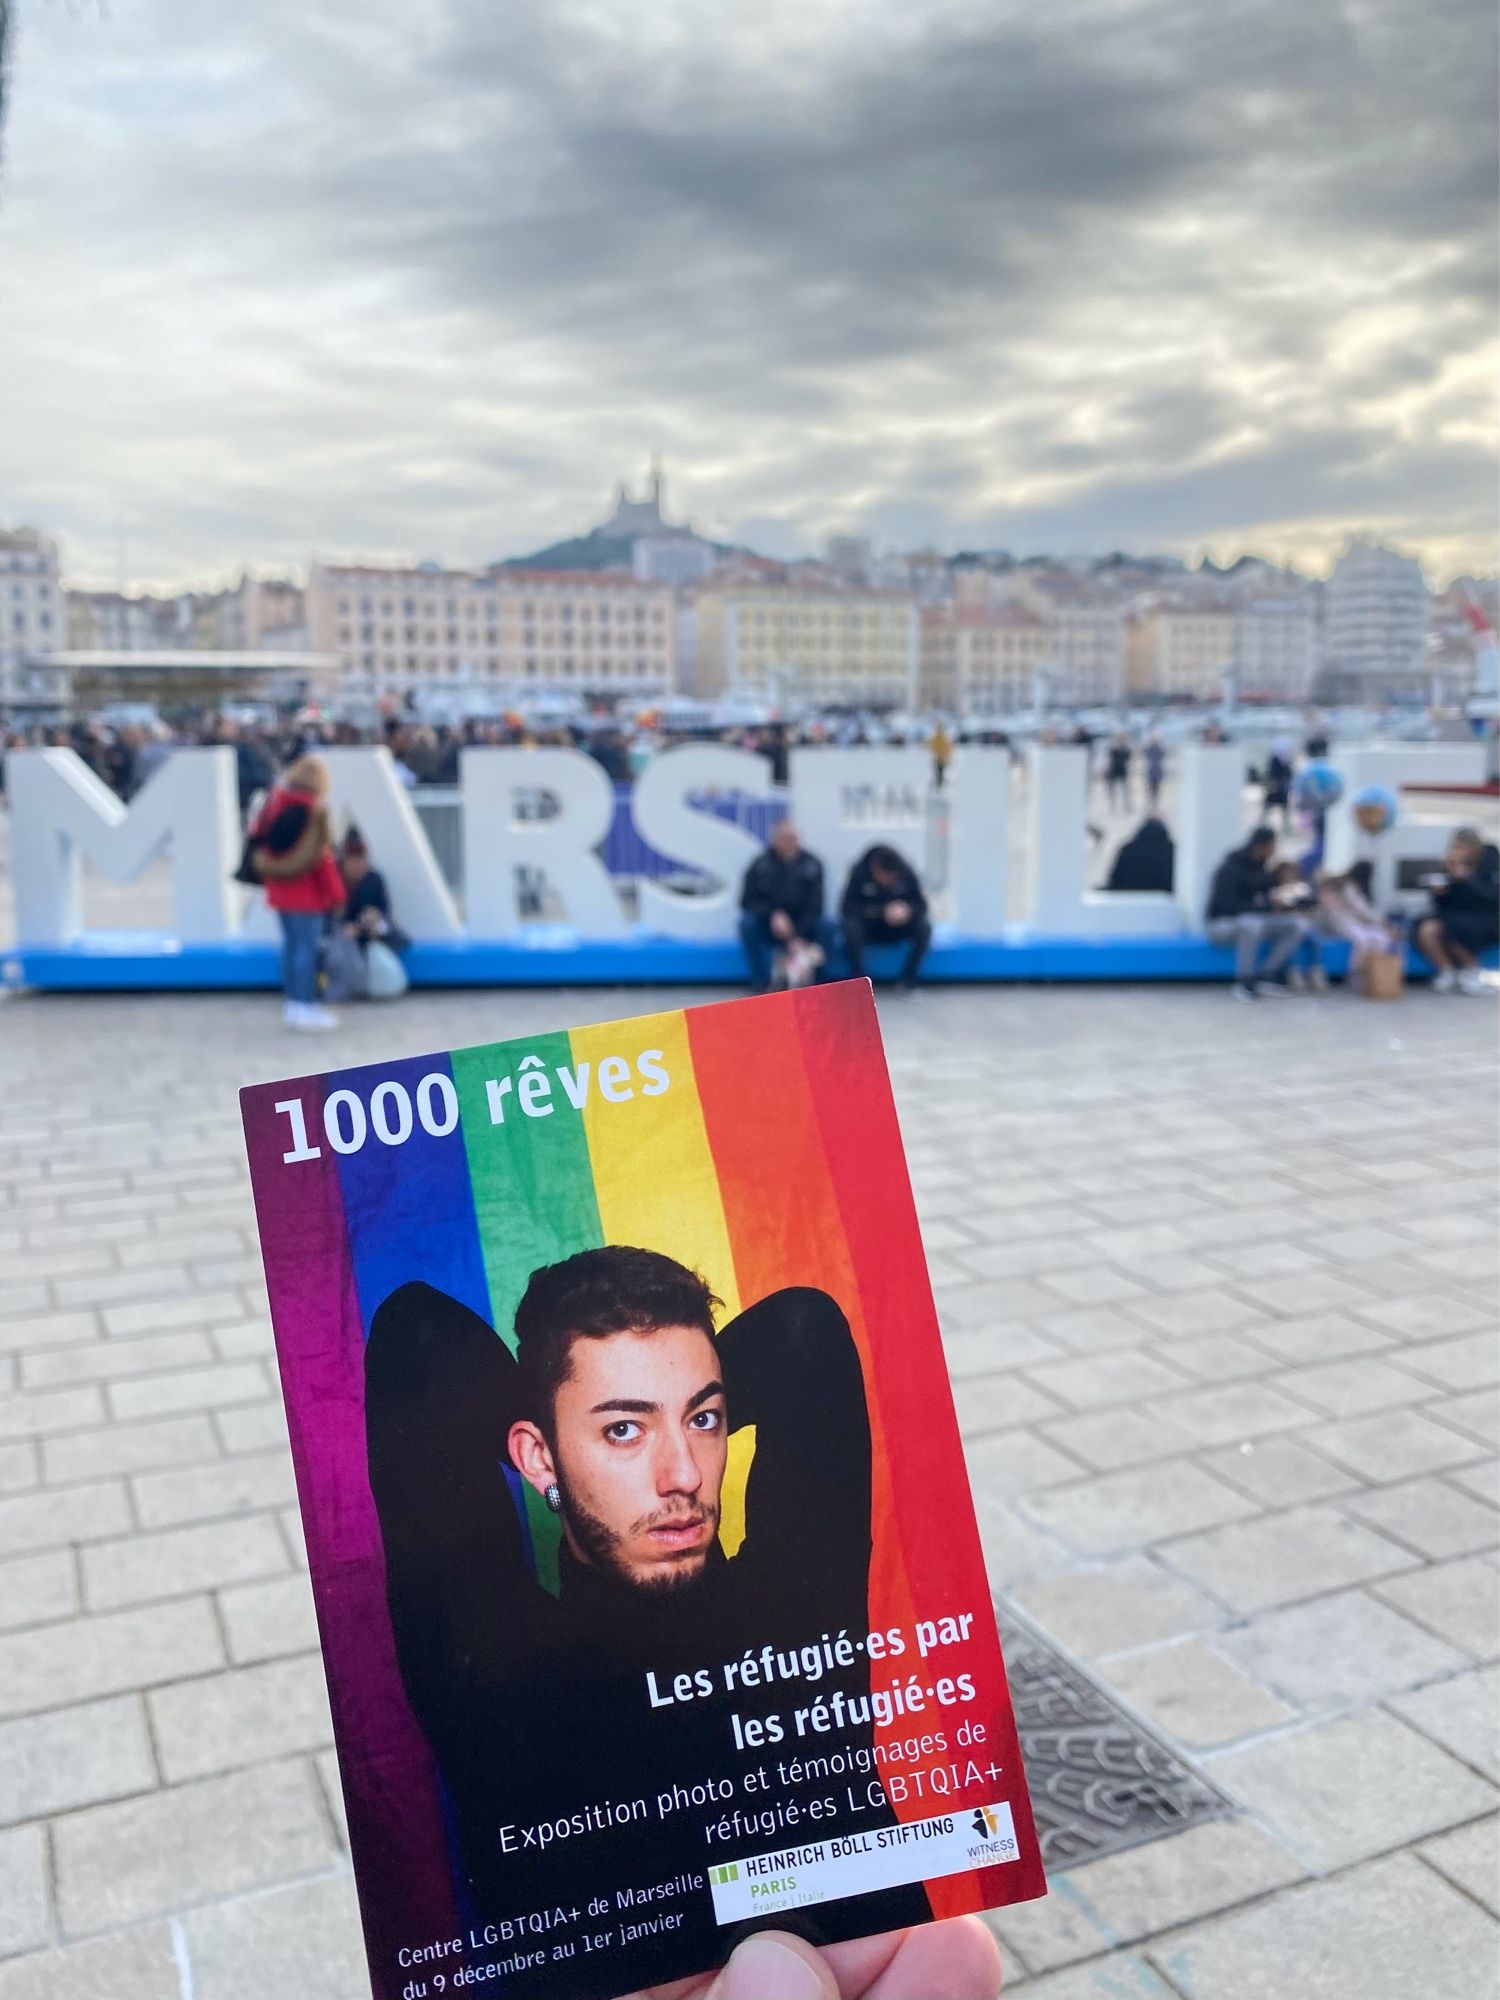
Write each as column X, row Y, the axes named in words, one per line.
column 1131, row 277
column 228, row 574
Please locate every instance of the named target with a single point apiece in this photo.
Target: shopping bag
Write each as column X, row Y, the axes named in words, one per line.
column 1385, row 975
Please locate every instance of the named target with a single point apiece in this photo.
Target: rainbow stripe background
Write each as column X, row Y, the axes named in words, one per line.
column 773, row 1158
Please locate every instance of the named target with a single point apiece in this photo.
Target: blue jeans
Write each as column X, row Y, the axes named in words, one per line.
column 1285, row 937
column 301, row 937
column 760, row 944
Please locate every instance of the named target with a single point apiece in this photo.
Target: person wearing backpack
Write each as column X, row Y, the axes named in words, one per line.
column 291, row 851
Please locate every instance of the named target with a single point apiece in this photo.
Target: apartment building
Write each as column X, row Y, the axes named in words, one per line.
column 1085, row 628
column 395, row 631
column 1179, row 648
column 798, row 644
column 255, row 613
column 261, row 612
column 117, row 621
column 32, row 618
column 983, row 659
column 1275, row 648
column 1376, row 621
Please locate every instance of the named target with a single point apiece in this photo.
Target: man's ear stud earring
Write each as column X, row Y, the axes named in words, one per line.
column 553, row 1497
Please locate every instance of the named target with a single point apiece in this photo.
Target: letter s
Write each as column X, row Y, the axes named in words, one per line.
column 653, row 1071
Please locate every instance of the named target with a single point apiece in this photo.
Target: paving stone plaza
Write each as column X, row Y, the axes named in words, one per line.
column 1218, row 1287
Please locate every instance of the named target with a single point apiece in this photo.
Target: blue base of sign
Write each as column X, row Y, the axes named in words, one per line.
column 552, row 955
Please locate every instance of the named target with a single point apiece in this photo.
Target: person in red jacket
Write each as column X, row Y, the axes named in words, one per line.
column 292, row 845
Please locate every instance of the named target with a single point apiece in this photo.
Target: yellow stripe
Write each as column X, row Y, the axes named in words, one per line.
column 654, row 1178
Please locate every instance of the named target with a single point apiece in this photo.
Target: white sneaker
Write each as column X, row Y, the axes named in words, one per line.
column 1296, row 979
column 1272, row 989
column 1240, row 991
column 1445, row 981
column 1473, row 982
column 1317, row 980
column 308, row 1015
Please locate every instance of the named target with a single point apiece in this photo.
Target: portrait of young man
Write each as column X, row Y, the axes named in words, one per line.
column 617, row 1409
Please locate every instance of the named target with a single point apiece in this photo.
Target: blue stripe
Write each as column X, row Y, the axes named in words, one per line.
column 409, row 1208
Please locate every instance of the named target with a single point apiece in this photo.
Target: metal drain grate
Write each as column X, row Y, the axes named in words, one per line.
column 1099, row 1782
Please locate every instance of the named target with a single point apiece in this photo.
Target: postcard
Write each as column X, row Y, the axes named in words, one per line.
column 650, row 1593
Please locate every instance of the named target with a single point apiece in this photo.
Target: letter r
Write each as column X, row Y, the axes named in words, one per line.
column 497, row 841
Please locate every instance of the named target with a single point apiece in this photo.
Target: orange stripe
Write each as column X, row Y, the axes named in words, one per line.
column 785, row 1227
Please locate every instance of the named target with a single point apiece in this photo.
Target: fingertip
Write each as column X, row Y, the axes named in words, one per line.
column 988, row 1972
column 774, row 1965
column 957, row 1959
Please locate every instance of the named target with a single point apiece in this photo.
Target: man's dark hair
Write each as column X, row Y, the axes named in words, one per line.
column 886, row 859
column 588, row 1297
column 1263, row 836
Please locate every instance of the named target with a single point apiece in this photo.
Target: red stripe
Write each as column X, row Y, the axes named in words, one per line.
column 861, row 1139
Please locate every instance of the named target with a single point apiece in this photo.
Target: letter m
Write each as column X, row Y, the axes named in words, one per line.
column 62, row 816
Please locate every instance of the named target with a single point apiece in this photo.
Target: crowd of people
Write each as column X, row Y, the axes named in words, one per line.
column 126, row 755
column 1123, row 767
column 341, row 940
column 338, row 927
column 339, row 935
column 1275, row 916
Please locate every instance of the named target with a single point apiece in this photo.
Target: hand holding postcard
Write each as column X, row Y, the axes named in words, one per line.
column 650, row 1593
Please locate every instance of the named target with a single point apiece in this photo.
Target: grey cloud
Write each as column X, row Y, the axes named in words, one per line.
column 454, row 268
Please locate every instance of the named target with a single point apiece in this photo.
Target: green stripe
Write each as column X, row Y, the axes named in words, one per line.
column 533, row 1188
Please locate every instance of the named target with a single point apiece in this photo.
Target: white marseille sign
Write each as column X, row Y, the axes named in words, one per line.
column 843, row 800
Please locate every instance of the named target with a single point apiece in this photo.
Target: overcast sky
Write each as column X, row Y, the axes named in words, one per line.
column 308, row 275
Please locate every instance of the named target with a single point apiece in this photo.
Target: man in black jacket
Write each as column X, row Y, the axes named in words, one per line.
column 884, row 904
column 782, row 900
column 1242, row 912
column 539, row 1704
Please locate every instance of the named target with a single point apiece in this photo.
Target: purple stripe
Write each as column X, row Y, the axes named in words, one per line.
column 390, row 1785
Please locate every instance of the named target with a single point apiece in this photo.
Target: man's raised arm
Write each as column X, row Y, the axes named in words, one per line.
column 792, row 1369
column 439, row 1400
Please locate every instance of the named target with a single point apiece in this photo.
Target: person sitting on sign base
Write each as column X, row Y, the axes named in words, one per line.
column 781, row 911
column 1241, row 912
column 1347, row 909
column 884, row 904
column 1464, row 922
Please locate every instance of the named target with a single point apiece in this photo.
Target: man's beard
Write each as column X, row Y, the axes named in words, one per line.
column 601, row 1547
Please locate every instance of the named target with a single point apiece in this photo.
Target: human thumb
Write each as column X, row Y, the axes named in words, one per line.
column 773, row 1965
